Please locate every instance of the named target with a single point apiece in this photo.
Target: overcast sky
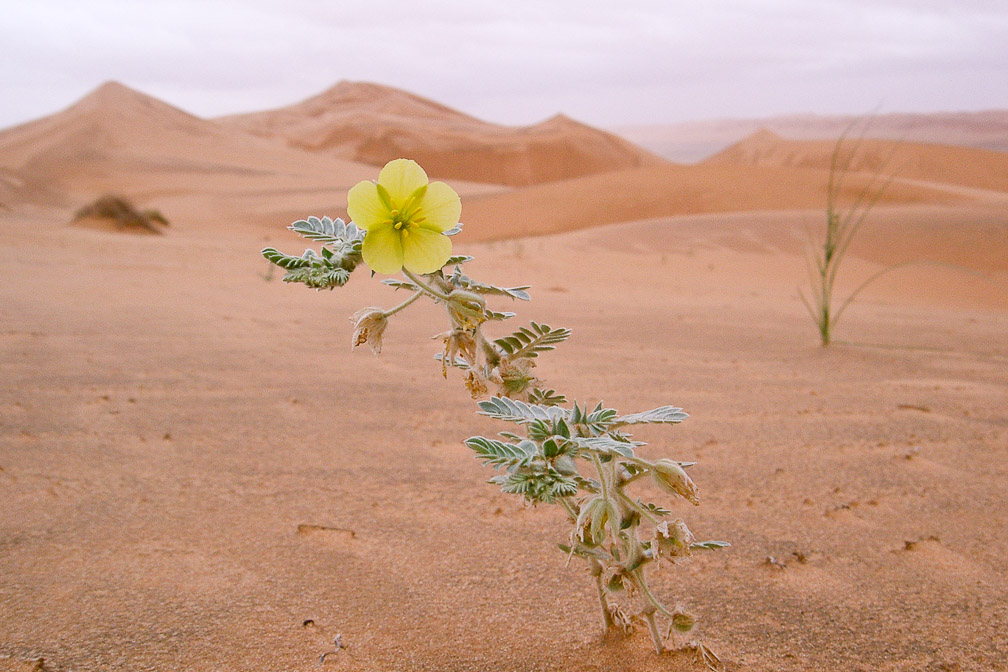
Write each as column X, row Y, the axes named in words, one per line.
column 516, row 62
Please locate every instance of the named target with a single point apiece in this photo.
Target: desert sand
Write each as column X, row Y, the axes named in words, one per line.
column 196, row 473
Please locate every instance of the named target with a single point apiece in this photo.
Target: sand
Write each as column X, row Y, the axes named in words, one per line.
column 375, row 124
column 197, row 473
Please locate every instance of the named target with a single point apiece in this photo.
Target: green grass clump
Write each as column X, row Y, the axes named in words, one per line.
column 824, row 259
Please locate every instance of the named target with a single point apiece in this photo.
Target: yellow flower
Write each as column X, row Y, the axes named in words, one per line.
column 405, row 218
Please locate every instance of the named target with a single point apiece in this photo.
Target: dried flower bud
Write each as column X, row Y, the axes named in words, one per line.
column 369, row 325
column 672, row 540
column 457, row 343
column 682, row 621
column 674, row 479
column 475, row 384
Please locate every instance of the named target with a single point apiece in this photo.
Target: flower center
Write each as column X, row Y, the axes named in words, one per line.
column 401, row 221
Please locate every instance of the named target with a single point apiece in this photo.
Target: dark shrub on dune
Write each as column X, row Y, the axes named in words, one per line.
column 119, row 212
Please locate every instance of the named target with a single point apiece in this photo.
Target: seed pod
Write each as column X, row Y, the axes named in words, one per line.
column 674, row 479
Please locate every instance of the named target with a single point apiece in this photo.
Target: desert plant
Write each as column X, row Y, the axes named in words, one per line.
column 122, row 213
column 578, row 456
column 824, row 259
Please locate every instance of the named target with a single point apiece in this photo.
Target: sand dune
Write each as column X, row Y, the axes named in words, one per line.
column 697, row 140
column 670, row 190
column 120, row 140
column 374, row 124
column 944, row 164
column 196, row 474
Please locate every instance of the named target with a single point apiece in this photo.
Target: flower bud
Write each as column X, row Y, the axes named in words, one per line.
column 674, row 479
column 566, row 465
column 369, row 325
column 592, row 519
column 514, row 379
column 682, row 621
column 466, row 308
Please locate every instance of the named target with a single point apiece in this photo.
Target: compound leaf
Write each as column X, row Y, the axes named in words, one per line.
column 667, row 414
column 529, row 341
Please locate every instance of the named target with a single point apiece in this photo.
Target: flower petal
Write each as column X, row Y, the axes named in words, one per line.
column 440, row 207
column 425, row 251
column 365, row 207
column 401, row 178
column 382, row 250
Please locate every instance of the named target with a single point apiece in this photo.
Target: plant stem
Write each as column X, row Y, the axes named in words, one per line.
column 653, row 629
column 490, row 350
column 596, row 570
column 642, row 584
column 392, row 311
column 424, row 286
column 633, row 505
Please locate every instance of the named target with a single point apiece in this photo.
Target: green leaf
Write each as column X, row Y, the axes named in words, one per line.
column 597, row 421
column 666, row 414
column 529, row 341
column 494, row 315
column 502, row 408
column 458, row 363
column 401, row 284
column 498, row 453
column 284, row 260
column 546, row 397
column 709, row 545
column 458, row 279
column 659, row 511
column 318, row 277
column 537, row 486
column 607, row 445
column 326, row 230
column 584, row 551
column 454, row 231
column 457, row 259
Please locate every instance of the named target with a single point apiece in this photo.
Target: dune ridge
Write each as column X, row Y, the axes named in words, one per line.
column 946, row 164
column 374, row 124
column 697, row 140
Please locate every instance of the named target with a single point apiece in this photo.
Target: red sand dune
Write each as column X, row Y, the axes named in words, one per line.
column 963, row 166
column 119, row 140
column 695, row 140
column 664, row 191
column 374, row 124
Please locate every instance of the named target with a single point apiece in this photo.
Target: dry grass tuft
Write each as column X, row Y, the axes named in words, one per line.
column 123, row 215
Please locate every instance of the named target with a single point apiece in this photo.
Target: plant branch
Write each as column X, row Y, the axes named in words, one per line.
column 392, row 311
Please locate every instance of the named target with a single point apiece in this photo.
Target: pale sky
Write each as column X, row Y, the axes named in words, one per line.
column 516, row 61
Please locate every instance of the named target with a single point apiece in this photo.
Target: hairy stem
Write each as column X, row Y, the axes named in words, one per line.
column 425, row 287
column 596, row 570
column 656, row 638
column 392, row 311
column 641, row 582
column 633, row 505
